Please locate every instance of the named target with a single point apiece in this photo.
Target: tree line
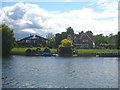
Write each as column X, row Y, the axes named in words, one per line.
column 101, row 41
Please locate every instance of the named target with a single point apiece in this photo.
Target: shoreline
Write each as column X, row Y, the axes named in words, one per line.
column 75, row 55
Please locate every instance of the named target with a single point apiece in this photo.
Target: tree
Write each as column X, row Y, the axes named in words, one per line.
column 113, row 41
column 51, row 40
column 58, row 38
column 65, row 49
column 100, row 39
column 66, row 43
column 50, row 36
column 70, row 30
column 64, row 35
column 7, row 39
column 90, row 34
column 80, row 33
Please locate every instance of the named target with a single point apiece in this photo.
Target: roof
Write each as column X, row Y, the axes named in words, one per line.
column 26, row 38
column 86, row 35
column 33, row 37
column 80, row 36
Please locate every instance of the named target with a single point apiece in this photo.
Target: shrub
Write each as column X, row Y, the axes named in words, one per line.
column 28, row 52
column 47, row 50
column 65, row 51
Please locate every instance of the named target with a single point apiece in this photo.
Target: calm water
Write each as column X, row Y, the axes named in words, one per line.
column 59, row 72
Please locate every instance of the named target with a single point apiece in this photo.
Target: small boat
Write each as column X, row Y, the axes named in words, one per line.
column 46, row 54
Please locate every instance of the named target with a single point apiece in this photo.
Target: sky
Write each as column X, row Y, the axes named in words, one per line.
column 41, row 18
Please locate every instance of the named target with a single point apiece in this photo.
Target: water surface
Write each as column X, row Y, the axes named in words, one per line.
column 59, row 72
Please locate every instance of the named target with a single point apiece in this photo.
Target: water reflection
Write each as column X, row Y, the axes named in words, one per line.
column 60, row 72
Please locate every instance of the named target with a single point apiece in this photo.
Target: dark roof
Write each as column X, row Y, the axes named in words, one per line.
column 40, row 37
column 32, row 38
column 25, row 38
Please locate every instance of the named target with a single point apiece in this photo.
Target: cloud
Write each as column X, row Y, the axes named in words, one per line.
column 28, row 30
column 30, row 18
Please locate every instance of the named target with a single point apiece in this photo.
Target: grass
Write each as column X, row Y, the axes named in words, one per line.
column 87, row 51
column 80, row 51
column 22, row 50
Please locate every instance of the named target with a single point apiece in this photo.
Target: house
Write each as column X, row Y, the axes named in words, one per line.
column 82, row 41
column 31, row 41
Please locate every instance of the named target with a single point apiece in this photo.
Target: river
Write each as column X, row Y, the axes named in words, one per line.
column 59, row 72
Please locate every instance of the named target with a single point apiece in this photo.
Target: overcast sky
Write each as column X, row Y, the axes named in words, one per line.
column 43, row 17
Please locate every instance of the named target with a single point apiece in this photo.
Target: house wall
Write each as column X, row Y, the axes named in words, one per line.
column 83, row 42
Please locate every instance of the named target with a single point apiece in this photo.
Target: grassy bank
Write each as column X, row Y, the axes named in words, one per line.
column 87, row 51
column 22, row 50
column 80, row 51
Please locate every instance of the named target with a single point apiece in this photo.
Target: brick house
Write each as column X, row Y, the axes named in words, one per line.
column 82, row 41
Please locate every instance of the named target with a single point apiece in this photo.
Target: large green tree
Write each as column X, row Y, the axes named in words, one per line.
column 90, row 34
column 7, row 39
column 70, row 30
column 58, row 38
column 64, row 35
column 100, row 39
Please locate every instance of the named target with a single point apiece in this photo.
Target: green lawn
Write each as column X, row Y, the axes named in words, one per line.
column 80, row 51
column 84, row 51
column 22, row 50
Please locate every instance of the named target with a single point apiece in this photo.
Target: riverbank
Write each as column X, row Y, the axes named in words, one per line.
column 80, row 52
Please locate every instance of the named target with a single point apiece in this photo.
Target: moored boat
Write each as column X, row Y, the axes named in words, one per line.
column 108, row 54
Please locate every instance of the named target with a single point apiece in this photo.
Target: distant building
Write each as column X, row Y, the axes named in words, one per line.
column 31, row 41
column 82, row 41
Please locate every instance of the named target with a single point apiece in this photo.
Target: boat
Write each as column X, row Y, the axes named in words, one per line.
column 46, row 54
column 108, row 54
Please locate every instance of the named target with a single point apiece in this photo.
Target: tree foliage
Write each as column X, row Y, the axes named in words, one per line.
column 70, row 30
column 51, row 40
column 58, row 38
column 90, row 34
column 7, row 39
column 65, row 49
column 50, row 36
column 64, row 35
column 66, row 43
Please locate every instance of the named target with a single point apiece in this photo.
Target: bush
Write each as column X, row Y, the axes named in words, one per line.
column 65, row 51
column 47, row 50
column 28, row 52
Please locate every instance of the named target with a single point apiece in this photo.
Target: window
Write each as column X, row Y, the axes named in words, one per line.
column 84, row 40
column 84, row 45
column 27, row 41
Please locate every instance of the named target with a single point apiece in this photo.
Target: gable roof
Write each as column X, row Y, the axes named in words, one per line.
column 79, row 36
column 32, row 37
column 26, row 38
column 40, row 37
column 86, row 35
